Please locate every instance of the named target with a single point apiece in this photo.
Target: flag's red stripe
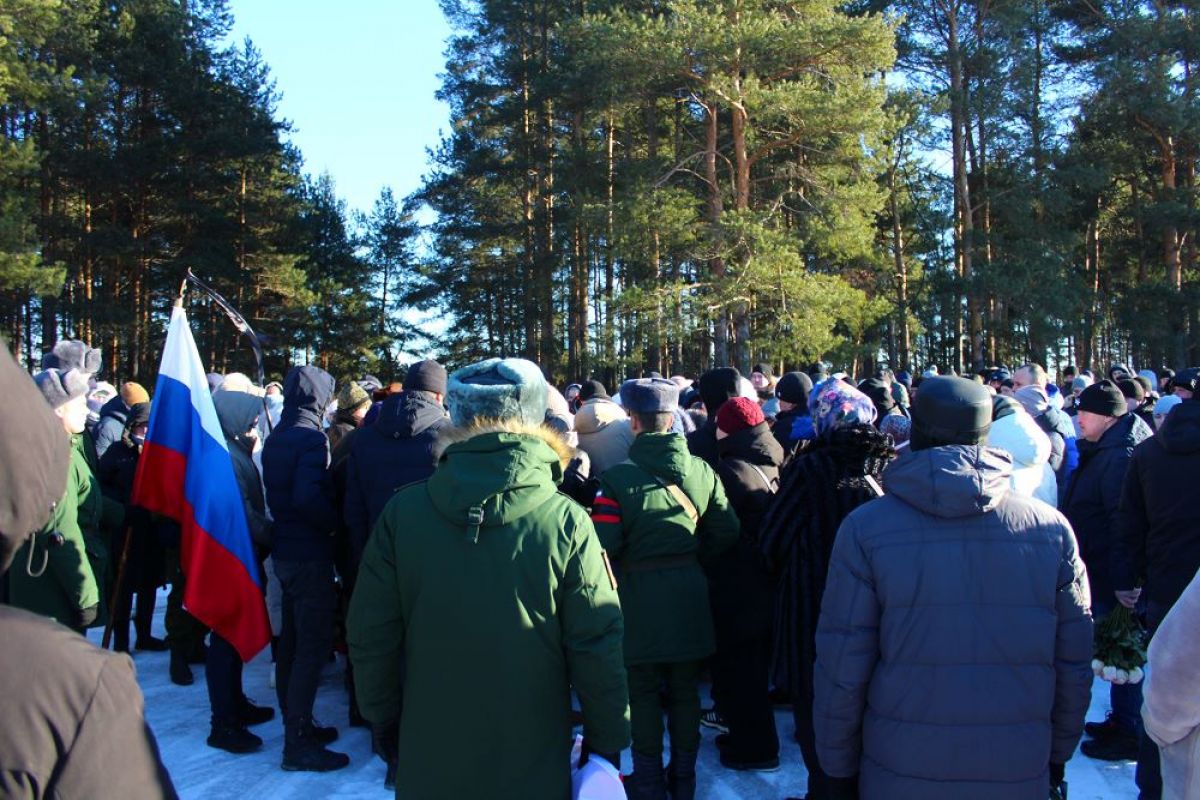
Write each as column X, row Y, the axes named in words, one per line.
column 228, row 601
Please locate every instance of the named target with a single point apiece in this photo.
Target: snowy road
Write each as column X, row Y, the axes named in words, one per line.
column 180, row 717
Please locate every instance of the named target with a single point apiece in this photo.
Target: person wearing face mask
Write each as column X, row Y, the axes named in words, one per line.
column 54, row 577
column 144, row 562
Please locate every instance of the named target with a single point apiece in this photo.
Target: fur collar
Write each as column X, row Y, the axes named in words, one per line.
column 455, row 434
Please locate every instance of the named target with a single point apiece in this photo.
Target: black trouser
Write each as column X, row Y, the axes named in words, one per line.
column 739, row 673
column 223, row 673
column 306, row 640
column 185, row 633
column 802, row 711
column 143, row 570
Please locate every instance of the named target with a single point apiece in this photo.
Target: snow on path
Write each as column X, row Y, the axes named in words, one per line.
column 179, row 716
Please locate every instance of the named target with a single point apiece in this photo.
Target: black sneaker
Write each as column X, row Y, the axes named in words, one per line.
column 250, row 715
column 713, row 719
column 1107, row 729
column 1120, row 747
column 151, row 644
column 233, row 738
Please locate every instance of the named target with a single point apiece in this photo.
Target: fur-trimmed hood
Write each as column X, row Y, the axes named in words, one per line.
column 493, row 472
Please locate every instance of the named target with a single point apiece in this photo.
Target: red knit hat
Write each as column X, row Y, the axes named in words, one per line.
column 738, row 414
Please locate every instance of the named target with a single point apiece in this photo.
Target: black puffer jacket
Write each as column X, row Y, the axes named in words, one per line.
column 1094, row 495
column 954, row 648
column 739, row 588
column 295, row 463
column 396, row 451
column 1158, row 535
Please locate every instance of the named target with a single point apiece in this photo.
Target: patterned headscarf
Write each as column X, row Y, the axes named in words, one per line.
column 836, row 404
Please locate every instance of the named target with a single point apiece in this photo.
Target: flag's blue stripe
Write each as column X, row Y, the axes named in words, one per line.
column 210, row 485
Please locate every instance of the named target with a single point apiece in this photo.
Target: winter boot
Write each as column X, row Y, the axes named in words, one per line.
column 151, row 644
column 303, row 753
column 250, row 715
column 181, row 673
column 199, row 653
column 322, row 734
column 681, row 774
column 389, row 780
column 231, row 737
column 647, row 782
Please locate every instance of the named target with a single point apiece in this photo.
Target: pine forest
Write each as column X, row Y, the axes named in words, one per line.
column 658, row 185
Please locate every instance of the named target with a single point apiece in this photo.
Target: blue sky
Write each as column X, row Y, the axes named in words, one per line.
column 358, row 79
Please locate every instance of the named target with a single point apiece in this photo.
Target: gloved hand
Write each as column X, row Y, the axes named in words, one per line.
column 585, row 752
column 84, row 617
column 1058, row 783
column 843, row 788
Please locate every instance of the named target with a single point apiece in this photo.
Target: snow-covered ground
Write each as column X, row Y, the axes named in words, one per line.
column 179, row 716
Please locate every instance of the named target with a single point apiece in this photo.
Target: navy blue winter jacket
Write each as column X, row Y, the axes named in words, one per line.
column 396, row 451
column 955, row 641
column 1094, row 496
column 295, row 464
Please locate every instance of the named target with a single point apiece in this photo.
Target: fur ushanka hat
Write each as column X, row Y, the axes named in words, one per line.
column 499, row 388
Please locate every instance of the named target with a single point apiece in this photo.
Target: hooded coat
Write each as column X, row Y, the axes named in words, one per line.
column 111, row 426
column 68, row 586
column 492, row 589
column 664, row 593
column 71, row 712
column 1094, row 496
column 237, row 411
column 1018, row 435
column 393, row 452
column 295, row 462
column 955, row 641
column 604, row 433
column 1158, row 531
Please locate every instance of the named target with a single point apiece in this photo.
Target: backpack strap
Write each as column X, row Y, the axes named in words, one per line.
column 772, row 486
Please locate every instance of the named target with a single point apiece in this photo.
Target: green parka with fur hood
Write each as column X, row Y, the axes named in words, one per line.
column 493, row 591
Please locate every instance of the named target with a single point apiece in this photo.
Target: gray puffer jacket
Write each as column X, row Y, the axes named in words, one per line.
column 955, row 640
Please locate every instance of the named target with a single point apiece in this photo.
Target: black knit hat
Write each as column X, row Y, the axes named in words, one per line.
column 1131, row 389
column 880, row 393
column 426, row 376
column 950, row 410
column 592, row 389
column 793, row 388
column 1103, row 398
column 717, row 386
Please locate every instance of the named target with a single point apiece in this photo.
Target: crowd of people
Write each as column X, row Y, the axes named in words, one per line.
column 911, row 563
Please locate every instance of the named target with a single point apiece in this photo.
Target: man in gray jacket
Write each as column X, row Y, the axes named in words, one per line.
column 955, row 639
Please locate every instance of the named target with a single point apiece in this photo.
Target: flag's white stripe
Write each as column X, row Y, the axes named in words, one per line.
column 181, row 361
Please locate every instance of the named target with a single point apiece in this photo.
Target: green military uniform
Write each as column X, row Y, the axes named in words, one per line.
column 663, row 590
column 489, row 588
column 68, row 585
column 99, row 518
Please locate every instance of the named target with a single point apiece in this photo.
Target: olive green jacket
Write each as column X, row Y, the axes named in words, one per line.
column 664, row 593
column 490, row 590
column 68, row 585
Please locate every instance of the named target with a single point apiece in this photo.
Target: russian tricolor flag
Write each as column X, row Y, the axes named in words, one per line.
column 185, row 473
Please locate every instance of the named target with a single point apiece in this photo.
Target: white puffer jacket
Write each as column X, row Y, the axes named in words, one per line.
column 604, row 433
column 1020, row 437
